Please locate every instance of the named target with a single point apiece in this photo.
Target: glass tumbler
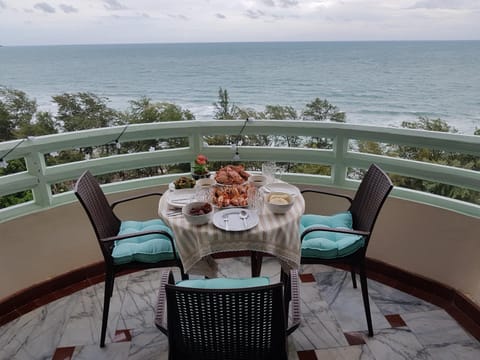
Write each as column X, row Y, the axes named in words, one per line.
column 268, row 170
column 256, row 197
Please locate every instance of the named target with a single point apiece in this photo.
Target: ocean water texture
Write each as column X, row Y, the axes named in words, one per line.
column 375, row 83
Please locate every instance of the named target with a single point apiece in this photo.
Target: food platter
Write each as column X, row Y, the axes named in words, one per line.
column 225, row 196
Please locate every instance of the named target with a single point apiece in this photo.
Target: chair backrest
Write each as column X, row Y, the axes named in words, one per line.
column 369, row 198
column 96, row 205
column 247, row 323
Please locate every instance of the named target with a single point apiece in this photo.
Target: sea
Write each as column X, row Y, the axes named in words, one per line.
column 375, row 83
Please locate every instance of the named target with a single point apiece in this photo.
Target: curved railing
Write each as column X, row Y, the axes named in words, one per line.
column 39, row 177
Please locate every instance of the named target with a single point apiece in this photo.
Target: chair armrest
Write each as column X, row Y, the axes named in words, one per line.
column 294, row 285
column 166, row 277
column 336, row 230
column 328, row 193
column 115, row 203
column 140, row 233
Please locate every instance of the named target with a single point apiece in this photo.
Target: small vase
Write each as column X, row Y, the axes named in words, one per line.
column 200, row 176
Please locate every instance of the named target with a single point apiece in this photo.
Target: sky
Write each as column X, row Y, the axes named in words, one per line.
column 25, row 22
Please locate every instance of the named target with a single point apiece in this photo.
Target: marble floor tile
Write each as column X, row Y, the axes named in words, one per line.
column 346, row 302
column 319, row 328
column 116, row 351
column 393, row 301
column 397, row 344
column 357, row 352
column 436, row 328
column 148, row 344
column 330, row 308
column 455, row 351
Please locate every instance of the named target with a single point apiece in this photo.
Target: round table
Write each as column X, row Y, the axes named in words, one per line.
column 276, row 235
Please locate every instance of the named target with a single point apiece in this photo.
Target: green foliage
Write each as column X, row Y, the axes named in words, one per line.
column 145, row 111
column 16, row 112
column 224, row 110
column 278, row 112
column 83, row 111
column 437, row 157
column 322, row 110
column 425, row 123
column 19, row 118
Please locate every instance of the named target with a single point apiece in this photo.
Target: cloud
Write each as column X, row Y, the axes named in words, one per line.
column 280, row 3
column 67, row 8
column 113, row 5
column 269, row 3
column 2, row 5
column 220, row 16
column 287, row 3
column 445, row 4
column 178, row 16
column 44, row 7
column 254, row 14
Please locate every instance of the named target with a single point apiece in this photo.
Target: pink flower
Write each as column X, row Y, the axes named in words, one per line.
column 201, row 160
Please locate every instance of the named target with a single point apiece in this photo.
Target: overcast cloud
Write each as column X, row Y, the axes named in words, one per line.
column 26, row 22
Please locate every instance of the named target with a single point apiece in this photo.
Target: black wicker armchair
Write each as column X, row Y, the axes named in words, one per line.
column 124, row 244
column 228, row 323
column 343, row 238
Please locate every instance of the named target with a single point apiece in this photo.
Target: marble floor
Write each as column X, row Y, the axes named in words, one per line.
column 333, row 322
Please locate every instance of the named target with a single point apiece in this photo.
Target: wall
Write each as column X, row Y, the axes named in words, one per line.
column 435, row 243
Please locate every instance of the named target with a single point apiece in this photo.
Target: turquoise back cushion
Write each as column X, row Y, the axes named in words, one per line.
column 325, row 244
column 147, row 248
column 224, row 283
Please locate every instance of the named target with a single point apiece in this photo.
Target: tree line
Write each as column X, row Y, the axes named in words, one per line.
column 20, row 118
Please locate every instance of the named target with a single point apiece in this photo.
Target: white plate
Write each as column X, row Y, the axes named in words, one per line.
column 180, row 197
column 235, row 223
column 282, row 187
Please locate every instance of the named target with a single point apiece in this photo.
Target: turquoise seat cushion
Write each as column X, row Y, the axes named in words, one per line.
column 325, row 244
column 147, row 248
column 224, row 283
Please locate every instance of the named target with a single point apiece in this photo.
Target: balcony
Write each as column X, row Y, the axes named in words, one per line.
column 424, row 245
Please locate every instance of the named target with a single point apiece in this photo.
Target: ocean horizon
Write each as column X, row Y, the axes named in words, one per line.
column 374, row 82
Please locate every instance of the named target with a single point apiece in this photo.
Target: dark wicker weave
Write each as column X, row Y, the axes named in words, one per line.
column 245, row 323
column 365, row 207
column 106, row 225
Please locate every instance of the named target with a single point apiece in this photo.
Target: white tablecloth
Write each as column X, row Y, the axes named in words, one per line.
column 275, row 234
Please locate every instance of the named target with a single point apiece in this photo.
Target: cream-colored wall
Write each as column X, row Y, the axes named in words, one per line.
column 438, row 244
column 427, row 241
column 38, row 247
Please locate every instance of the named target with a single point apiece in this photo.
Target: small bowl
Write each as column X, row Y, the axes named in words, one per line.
column 257, row 180
column 198, row 212
column 279, row 202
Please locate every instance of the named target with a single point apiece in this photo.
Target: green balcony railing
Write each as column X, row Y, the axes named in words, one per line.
column 340, row 157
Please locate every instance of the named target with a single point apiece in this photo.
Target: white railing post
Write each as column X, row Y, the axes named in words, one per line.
column 339, row 169
column 42, row 192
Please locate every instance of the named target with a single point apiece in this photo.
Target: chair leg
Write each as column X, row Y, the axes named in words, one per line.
column 256, row 263
column 109, row 282
column 183, row 274
column 366, row 303
column 354, row 278
column 285, row 279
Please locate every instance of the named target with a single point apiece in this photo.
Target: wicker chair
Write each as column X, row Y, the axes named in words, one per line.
column 228, row 323
column 118, row 242
column 342, row 239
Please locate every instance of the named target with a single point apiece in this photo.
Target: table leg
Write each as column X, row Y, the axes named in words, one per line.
column 256, row 263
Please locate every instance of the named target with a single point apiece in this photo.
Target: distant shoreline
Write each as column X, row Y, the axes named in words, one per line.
column 247, row 42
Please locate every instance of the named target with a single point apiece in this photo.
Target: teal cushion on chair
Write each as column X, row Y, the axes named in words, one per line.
column 325, row 244
column 224, row 283
column 147, row 248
